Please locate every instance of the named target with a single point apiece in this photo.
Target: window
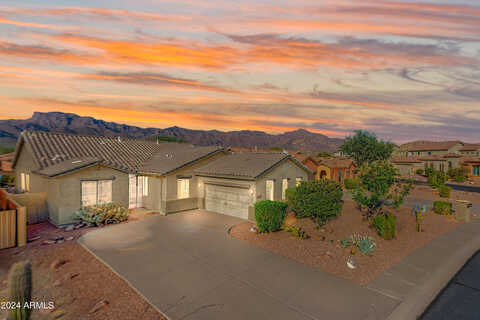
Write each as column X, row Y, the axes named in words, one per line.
column 145, row 186
column 183, row 188
column 25, row 181
column 269, row 191
column 340, row 176
column 298, row 180
column 284, row 188
column 96, row 192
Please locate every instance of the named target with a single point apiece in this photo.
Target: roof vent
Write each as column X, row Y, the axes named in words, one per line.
column 119, row 139
column 77, row 161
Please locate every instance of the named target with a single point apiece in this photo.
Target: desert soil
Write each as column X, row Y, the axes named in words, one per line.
column 323, row 249
column 426, row 192
column 80, row 286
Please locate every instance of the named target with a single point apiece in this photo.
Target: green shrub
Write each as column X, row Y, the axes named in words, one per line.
column 7, row 179
column 385, row 225
column 351, row 184
column 442, row 207
column 108, row 213
column 429, row 171
column 270, row 215
column 381, row 187
column 444, row 191
column 320, row 200
column 437, row 179
column 419, row 171
column 458, row 174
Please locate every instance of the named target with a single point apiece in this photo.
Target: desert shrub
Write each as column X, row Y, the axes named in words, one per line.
column 7, row 179
column 437, row 179
column 385, row 225
column 365, row 244
column 444, row 191
column 380, row 187
column 419, row 171
column 270, row 215
column 429, row 171
column 320, row 200
column 351, row 184
column 108, row 213
column 458, row 174
column 296, row 232
column 442, row 207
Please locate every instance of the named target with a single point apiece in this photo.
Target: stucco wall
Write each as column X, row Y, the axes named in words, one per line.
column 26, row 164
column 36, row 205
column 64, row 195
column 286, row 169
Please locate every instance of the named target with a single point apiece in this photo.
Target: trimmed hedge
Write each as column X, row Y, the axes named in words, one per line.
column 385, row 225
column 320, row 200
column 270, row 215
column 351, row 184
column 444, row 191
column 419, row 171
column 442, row 207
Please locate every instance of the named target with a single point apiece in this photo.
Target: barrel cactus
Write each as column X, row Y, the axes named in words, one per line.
column 20, row 289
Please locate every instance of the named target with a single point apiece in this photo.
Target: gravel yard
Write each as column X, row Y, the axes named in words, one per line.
column 323, row 249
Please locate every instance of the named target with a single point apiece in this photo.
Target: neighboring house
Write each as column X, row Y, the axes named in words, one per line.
column 336, row 169
column 407, row 166
column 232, row 184
column 307, row 161
column 76, row 171
column 428, row 148
column 6, row 163
column 470, row 150
column 473, row 167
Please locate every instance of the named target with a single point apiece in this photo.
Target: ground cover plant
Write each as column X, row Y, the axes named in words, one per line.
column 351, row 183
column 108, row 213
column 320, row 200
column 442, row 207
column 458, row 174
column 365, row 244
column 444, row 191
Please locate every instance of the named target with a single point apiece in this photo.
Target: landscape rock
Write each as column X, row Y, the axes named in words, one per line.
column 253, row 229
column 47, row 242
column 60, row 241
column 290, row 220
column 351, row 263
column 33, row 239
column 57, row 283
column 58, row 263
column 70, row 227
column 99, row 305
column 80, row 225
column 70, row 238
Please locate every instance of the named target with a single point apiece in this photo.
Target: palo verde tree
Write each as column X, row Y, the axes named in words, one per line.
column 364, row 148
column 380, row 187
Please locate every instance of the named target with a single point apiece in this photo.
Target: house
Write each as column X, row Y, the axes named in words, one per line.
column 428, row 148
column 76, row 171
column 470, row 149
column 336, row 169
column 6, row 163
column 472, row 164
column 307, row 161
column 232, row 184
column 407, row 166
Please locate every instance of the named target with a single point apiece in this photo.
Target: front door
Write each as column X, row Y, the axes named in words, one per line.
column 476, row 171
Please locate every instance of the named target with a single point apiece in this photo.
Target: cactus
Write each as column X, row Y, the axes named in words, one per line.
column 20, row 289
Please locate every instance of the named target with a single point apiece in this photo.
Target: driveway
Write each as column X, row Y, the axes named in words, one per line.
column 188, row 266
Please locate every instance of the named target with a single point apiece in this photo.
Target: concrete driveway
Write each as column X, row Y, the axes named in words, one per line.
column 188, row 266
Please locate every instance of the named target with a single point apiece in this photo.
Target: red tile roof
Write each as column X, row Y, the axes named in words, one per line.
column 428, row 146
column 336, row 162
column 470, row 147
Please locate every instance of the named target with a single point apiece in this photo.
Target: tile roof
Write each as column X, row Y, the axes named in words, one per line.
column 470, row 147
column 58, row 153
column 336, row 162
column 245, row 164
column 405, row 160
column 470, row 159
column 428, row 146
column 7, row 156
column 173, row 157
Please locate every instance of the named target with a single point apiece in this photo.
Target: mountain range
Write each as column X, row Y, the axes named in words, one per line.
column 300, row 139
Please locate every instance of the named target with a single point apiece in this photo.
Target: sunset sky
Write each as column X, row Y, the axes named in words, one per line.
column 405, row 70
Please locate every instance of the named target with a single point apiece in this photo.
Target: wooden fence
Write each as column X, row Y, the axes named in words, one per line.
column 13, row 222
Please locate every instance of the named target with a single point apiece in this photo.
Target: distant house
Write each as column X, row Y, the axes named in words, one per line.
column 336, row 169
column 6, row 163
column 472, row 165
column 470, row 150
column 232, row 184
column 428, row 148
column 407, row 166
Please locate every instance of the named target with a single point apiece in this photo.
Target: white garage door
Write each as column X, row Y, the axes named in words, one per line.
column 232, row 201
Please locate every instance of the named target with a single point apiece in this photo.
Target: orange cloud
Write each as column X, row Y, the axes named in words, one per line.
column 27, row 24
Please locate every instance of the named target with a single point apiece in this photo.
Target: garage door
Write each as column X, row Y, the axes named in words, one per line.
column 231, row 201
